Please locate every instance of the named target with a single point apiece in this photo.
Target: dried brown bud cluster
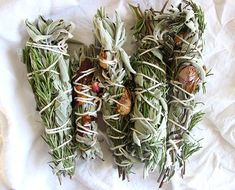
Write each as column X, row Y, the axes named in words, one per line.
column 189, row 78
column 102, row 59
column 124, row 104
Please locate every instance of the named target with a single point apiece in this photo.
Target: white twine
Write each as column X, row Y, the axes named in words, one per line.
column 114, row 117
column 154, row 66
column 150, row 38
column 114, row 84
column 174, row 145
column 48, row 47
column 148, row 89
column 89, row 72
column 117, row 138
column 85, row 97
column 63, row 144
column 108, row 62
column 58, row 129
column 69, row 168
column 117, row 147
column 174, row 83
column 67, row 158
column 178, row 125
column 48, row 69
column 191, row 45
column 48, row 105
column 84, row 128
column 117, row 102
column 145, row 76
column 148, row 50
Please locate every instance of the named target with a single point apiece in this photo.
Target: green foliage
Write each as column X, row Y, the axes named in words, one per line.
column 149, row 114
column 195, row 119
column 48, row 73
column 178, row 36
column 111, row 36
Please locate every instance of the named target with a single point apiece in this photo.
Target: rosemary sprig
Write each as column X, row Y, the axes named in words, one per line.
column 116, row 69
column 150, row 106
column 86, row 102
column 46, row 58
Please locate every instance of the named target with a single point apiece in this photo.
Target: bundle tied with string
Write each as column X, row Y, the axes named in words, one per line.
column 115, row 65
column 180, row 31
column 87, row 104
column 46, row 58
column 150, row 107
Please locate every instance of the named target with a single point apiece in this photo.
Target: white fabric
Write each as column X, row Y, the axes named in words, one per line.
column 23, row 154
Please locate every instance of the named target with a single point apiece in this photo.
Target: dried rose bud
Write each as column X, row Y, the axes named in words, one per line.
column 124, row 106
column 189, row 78
column 86, row 119
column 102, row 58
column 95, row 87
column 78, row 87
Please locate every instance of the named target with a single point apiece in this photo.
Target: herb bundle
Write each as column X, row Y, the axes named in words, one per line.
column 180, row 31
column 150, row 106
column 86, row 102
column 46, row 58
column 153, row 123
column 116, row 69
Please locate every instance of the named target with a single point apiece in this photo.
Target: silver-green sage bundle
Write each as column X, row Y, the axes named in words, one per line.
column 150, row 107
column 47, row 61
column 86, row 102
column 115, row 65
column 180, row 31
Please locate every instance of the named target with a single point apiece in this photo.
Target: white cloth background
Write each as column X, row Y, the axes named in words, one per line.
column 23, row 154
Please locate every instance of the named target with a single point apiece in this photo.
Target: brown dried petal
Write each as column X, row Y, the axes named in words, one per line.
column 102, row 58
column 124, row 104
column 189, row 78
column 86, row 119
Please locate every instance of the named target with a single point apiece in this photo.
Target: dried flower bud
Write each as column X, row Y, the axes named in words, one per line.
column 189, row 78
column 124, row 104
column 95, row 87
column 102, row 58
column 78, row 88
column 86, row 119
